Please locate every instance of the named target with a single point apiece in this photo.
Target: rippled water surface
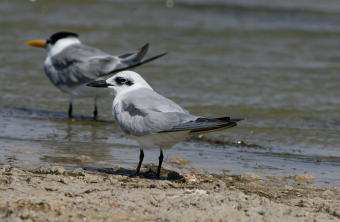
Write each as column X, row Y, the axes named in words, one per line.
column 277, row 64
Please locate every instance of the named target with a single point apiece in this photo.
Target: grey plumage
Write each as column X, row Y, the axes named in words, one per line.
column 79, row 64
column 144, row 112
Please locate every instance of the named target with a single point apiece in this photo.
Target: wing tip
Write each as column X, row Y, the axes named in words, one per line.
column 228, row 119
column 237, row 119
column 145, row 47
column 153, row 58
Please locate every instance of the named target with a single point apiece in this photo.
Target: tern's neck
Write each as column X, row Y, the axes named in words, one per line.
column 61, row 45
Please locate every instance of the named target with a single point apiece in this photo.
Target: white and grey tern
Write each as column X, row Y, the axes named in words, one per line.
column 70, row 65
column 151, row 119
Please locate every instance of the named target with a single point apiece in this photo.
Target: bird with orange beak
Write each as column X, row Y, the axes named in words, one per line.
column 70, row 65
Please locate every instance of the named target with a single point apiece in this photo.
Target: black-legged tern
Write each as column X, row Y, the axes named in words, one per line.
column 151, row 119
column 70, row 65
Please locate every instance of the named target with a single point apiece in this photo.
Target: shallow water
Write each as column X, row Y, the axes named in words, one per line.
column 277, row 64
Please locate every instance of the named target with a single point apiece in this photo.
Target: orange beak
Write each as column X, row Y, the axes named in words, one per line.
column 37, row 43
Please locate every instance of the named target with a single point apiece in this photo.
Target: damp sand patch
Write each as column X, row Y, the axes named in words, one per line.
column 49, row 192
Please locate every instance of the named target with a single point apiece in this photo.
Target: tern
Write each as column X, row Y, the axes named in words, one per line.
column 151, row 119
column 70, row 65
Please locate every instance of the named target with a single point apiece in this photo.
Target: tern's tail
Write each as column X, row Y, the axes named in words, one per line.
column 132, row 60
column 205, row 125
column 212, row 125
column 135, row 56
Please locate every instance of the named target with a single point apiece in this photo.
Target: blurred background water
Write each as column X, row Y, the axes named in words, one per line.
column 274, row 62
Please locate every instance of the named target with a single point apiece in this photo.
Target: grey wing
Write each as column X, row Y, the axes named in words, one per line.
column 147, row 99
column 147, row 112
column 79, row 64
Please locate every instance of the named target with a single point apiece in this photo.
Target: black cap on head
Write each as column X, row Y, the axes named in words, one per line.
column 60, row 35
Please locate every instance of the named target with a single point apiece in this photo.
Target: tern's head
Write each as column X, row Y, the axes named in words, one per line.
column 56, row 42
column 122, row 81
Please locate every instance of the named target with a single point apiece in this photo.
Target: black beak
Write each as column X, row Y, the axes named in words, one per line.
column 99, row 84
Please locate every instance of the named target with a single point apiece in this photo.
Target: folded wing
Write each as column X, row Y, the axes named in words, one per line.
column 145, row 112
column 206, row 125
column 80, row 64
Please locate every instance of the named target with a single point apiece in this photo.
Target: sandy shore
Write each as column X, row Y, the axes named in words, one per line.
column 56, row 194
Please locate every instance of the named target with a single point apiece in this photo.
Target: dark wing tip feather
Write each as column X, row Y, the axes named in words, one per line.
column 237, row 120
column 123, row 56
column 146, row 45
column 213, row 128
column 206, row 125
column 153, row 58
column 135, row 65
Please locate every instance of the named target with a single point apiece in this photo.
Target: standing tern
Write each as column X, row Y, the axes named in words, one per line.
column 70, row 65
column 151, row 119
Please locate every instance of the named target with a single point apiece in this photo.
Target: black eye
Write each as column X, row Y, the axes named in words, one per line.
column 122, row 81
column 48, row 41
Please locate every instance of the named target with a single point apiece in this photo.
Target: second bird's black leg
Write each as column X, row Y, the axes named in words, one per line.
column 141, row 157
column 95, row 112
column 70, row 110
column 160, row 158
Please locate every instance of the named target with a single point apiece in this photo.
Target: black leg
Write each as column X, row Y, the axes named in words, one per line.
column 160, row 158
column 70, row 110
column 141, row 157
column 95, row 111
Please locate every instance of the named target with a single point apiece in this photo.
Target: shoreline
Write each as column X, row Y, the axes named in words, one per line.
column 56, row 194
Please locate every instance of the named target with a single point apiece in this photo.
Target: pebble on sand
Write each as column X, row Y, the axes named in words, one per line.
column 189, row 176
column 277, row 177
column 250, row 177
column 303, row 178
column 178, row 160
column 225, row 170
column 84, row 158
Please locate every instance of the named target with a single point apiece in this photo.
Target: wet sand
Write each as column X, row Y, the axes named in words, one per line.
column 58, row 194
